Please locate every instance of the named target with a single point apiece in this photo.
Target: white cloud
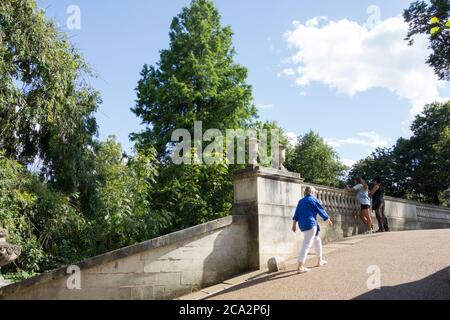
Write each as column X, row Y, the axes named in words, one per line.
column 367, row 139
column 314, row 22
column 375, row 140
column 348, row 162
column 264, row 106
column 292, row 138
column 351, row 58
column 287, row 72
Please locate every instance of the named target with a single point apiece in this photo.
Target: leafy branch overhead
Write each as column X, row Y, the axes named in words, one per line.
column 432, row 19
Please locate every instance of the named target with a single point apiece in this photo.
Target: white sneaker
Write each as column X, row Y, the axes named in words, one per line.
column 322, row 263
column 303, row 270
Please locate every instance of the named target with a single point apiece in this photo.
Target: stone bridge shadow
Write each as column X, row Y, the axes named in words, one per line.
column 230, row 254
column 433, row 287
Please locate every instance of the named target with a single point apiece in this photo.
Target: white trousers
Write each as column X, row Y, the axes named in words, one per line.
column 309, row 240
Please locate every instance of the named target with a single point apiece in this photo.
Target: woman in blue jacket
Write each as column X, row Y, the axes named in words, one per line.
column 306, row 216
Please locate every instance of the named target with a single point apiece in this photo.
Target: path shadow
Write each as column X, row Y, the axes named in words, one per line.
column 433, row 287
column 253, row 281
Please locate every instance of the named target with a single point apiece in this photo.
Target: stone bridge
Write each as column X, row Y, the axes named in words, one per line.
column 190, row 260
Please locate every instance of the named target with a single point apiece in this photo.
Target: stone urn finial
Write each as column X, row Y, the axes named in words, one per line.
column 253, row 151
column 8, row 252
column 279, row 157
column 282, row 157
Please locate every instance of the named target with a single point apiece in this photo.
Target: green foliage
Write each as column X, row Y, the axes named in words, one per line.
column 429, row 128
column 194, row 194
column 19, row 275
column 61, row 231
column 125, row 214
column 442, row 147
column 417, row 168
column 51, row 229
column 432, row 19
column 46, row 105
column 17, row 206
column 438, row 26
column 196, row 79
column 43, row 222
column 316, row 161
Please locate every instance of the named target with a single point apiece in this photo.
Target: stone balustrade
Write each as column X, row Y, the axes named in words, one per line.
column 430, row 213
column 334, row 200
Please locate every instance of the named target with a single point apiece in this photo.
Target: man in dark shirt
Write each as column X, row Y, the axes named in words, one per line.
column 377, row 194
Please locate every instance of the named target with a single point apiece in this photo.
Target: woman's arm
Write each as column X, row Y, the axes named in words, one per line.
column 318, row 208
column 294, row 225
column 350, row 190
column 374, row 189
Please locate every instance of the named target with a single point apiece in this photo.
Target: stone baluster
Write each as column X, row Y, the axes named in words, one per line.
column 320, row 195
column 333, row 201
column 343, row 203
column 330, row 200
column 325, row 201
column 339, row 201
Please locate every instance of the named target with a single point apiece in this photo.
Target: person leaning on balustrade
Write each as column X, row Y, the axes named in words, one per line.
column 361, row 189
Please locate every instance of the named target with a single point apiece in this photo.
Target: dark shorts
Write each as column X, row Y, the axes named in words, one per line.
column 365, row 207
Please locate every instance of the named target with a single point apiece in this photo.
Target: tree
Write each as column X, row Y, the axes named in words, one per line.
column 196, row 79
column 433, row 20
column 125, row 210
column 316, row 161
column 430, row 172
column 417, row 168
column 88, row 197
column 442, row 147
column 193, row 194
column 46, row 105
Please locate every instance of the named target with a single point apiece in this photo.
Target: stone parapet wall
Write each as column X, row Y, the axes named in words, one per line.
column 162, row 268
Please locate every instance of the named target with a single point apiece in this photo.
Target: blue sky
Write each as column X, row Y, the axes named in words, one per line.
column 347, row 75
